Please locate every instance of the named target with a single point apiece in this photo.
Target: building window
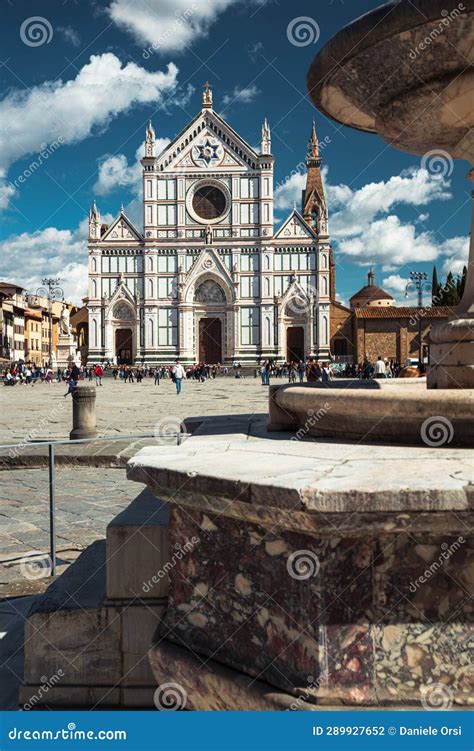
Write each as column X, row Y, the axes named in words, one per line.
column 167, row 190
column 168, row 264
column 167, row 214
column 249, row 286
column 167, row 327
column 248, row 213
column 209, row 202
column 250, row 262
column 249, row 326
column 248, row 187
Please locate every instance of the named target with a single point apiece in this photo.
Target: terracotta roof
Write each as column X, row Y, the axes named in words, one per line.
column 371, row 292
column 441, row 311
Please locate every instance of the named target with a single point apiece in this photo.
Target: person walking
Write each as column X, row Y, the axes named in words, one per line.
column 301, row 370
column 380, row 370
column 98, row 372
column 178, row 372
column 157, row 376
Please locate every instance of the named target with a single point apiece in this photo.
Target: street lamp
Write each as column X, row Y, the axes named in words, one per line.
column 51, row 291
column 419, row 282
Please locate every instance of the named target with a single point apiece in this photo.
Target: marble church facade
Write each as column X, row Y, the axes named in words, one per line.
column 209, row 279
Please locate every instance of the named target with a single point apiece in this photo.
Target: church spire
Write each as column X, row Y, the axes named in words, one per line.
column 314, row 200
column 207, row 96
column 94, row 222
column 266, row 139
column 150, row 140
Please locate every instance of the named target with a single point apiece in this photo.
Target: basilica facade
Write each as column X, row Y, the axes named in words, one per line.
column 209, row 279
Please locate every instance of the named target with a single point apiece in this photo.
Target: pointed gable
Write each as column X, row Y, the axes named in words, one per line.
column 294, row 228
column 122, row 229
column 207, row 142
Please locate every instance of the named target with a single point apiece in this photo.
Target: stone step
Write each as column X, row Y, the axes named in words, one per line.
column 82, row 651
column 138, row 556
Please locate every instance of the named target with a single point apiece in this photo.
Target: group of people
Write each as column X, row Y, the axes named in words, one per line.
column 313, row 370
column 381, row 368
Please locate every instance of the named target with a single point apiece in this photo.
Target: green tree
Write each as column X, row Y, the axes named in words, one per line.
column 435, row 288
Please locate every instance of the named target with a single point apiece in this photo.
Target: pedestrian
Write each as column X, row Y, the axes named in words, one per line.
column 301, row 370
column 72, row 386
column 98, row 372
column 178, row 372
column 157, row 376
column 313, row 371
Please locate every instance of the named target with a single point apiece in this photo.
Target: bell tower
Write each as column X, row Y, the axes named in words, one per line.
column 314, row 201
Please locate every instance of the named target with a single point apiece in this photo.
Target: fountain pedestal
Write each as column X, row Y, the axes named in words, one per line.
column 404, row 71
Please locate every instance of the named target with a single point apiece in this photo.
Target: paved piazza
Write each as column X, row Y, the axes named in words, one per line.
column 126, row 408
column 87, row 499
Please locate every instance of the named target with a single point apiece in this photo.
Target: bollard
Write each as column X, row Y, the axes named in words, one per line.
column 83, row 413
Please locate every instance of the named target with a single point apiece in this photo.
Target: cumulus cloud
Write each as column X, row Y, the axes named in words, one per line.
column 352, row 211
column 115, row 172
column 289, row 191
column 166, row 26
column 244, row 95
column 66, row 112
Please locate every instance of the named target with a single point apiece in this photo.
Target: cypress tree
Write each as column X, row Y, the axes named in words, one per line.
column 435, row 288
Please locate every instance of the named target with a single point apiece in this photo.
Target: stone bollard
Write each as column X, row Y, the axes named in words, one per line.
column 83, row 413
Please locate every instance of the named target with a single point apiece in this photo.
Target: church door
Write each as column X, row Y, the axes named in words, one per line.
column 123, row 346
column 295, row 344
column 210, row 341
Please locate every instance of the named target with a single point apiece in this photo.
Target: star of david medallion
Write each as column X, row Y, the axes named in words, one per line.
column 207, row 153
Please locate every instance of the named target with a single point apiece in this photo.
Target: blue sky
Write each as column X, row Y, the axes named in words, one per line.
column 80, row 83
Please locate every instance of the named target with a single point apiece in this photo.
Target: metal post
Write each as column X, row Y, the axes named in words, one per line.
column 52, row 508
column 50, row 306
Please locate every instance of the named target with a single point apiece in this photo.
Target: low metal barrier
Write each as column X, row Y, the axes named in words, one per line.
column 52, row 471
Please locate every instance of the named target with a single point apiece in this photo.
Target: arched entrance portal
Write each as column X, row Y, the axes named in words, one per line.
column 210, row 340
column 124, row 346
column 210, row 306
column 295, row 344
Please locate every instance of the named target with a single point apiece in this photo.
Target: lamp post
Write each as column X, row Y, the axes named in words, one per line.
column 419, row 282
column 51, row 291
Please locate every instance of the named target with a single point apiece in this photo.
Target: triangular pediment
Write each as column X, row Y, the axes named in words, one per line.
column 208, row 264
column 294, row 228
column 121, row 294
column 207, row 142
column 122, row 230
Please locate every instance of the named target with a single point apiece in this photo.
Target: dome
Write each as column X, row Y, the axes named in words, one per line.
column 371, row 295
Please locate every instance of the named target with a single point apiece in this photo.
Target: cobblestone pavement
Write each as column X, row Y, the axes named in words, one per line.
column 40, row 411
column 87, row 500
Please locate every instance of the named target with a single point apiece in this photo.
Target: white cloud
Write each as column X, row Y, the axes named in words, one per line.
column 167, row 25
column 243, row 95
column 66, row 112
column 289, row 191
column 456, row 252
column 70, row 35
column 115, row 171
column 352, row 211
column 391, row 243
column 28, row 257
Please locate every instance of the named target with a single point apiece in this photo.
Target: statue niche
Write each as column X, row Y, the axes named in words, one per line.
column 209, row 291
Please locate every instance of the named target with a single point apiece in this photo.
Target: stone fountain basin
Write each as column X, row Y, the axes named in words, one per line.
column 398, row 411
column 403, row 71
